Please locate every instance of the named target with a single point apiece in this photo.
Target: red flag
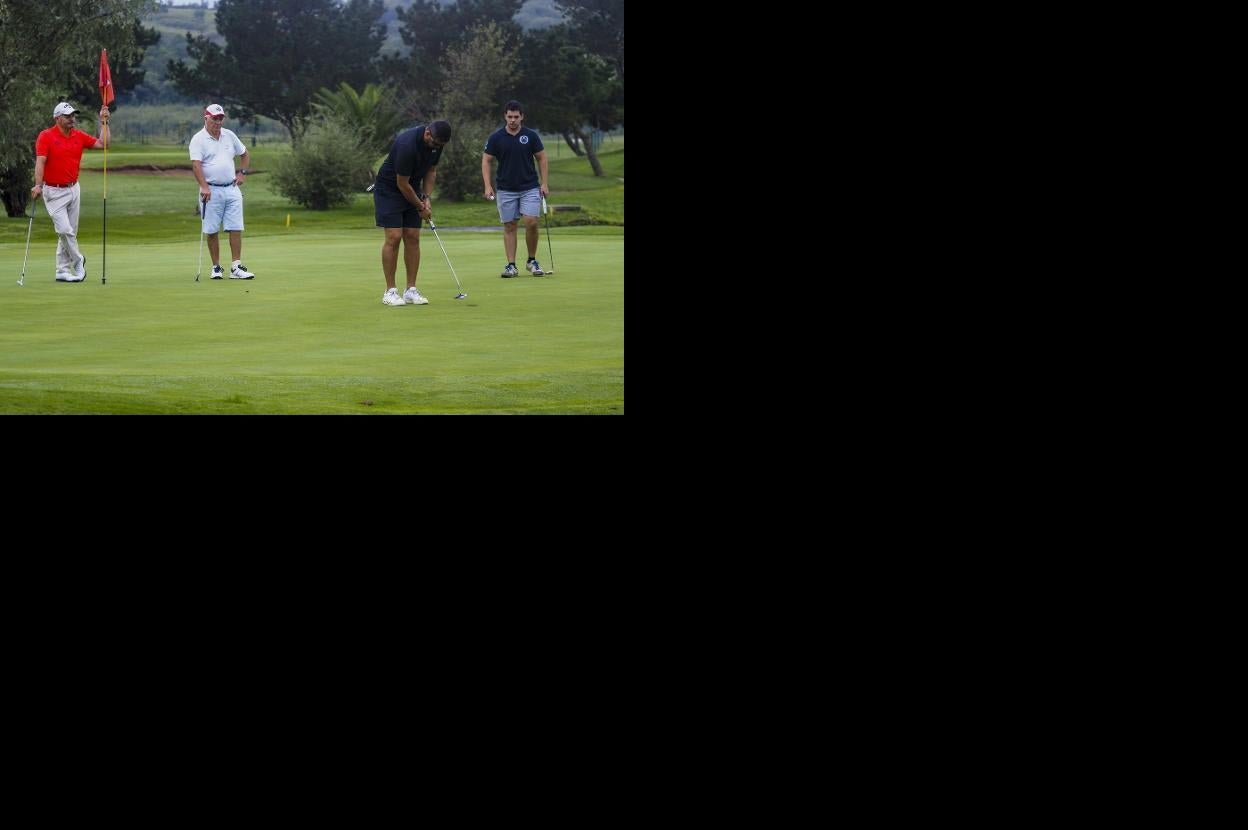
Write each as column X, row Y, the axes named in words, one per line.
column 106, row 79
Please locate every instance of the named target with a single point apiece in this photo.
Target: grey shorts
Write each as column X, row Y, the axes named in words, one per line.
column 513, row 203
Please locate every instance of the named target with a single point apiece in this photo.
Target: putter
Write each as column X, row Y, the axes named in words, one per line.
column 200, row 265
column 546, row 213
column 461, row 295
column 22, row 279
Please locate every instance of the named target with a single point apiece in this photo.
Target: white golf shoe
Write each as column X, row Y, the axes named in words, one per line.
column 413, row 297
column 240, row 272
column 391, row 297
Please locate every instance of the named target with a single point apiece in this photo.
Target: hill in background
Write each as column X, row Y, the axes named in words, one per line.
column 173, row 22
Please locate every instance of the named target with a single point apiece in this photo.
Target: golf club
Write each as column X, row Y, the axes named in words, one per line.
column 22, row 279
column 199, row 266
column 461, row 295
column 546, row 212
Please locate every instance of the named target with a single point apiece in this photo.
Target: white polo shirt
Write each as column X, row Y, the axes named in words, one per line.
column 216, row 154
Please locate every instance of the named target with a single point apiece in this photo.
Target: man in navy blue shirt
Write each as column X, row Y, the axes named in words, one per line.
column 520, row 192
column 399, row 206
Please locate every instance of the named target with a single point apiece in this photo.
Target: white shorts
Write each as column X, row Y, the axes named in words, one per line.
column 224, row 210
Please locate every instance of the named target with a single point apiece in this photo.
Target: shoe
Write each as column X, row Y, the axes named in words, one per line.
column 510, row 270
column 81, row 271
column 218, row 272
column 241, row 273
column 64, row 276
column 534, row 268
column 391, row 297
column 412, row 297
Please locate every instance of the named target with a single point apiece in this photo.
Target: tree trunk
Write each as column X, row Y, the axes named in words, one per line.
column 568, row 138
column 589, row 151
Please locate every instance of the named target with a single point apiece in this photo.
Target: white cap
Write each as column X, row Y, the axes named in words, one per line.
column 214, row 109
column 63, row 109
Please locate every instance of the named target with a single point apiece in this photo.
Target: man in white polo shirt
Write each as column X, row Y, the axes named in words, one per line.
column 220, row 189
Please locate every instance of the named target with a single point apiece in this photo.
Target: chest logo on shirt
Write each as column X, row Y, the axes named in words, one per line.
column 524, row 139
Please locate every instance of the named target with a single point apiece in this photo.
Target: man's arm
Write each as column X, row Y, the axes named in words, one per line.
column 205, row 192
column 246, row 168
column 105, row 135
column 485, row 175
column 404, row 184
column 541, row 165
column 430, row 178
column 40, row 161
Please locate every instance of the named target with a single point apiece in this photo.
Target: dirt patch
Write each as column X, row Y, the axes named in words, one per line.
column 153, row 170
column 179, row 170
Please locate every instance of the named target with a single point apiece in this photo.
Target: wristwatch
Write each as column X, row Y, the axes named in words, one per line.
column 243, row 171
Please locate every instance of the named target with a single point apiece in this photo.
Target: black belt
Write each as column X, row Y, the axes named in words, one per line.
column 227, row 184
column 50, row 184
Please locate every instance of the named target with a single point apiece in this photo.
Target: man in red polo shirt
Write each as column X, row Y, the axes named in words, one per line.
column 58, row 152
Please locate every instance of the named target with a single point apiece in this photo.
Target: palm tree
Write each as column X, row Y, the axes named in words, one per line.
column 373, row 114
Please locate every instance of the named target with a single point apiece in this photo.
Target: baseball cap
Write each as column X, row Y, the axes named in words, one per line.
column 214, row 109
column 63, row 109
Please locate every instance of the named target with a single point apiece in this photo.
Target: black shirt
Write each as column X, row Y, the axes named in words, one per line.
column 516, row 170
column 410, row 157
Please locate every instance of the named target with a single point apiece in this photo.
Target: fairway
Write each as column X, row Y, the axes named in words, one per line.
column 309, row 335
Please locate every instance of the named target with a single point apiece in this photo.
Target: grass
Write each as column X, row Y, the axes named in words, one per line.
column 310, row 335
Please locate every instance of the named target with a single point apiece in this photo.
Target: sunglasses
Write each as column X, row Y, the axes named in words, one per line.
column 217, row 117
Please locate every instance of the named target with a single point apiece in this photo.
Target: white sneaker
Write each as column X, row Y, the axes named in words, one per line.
column 217, row 272
column 413, row 297
column 81, row 271
column 240, row 272
column 391, row 297
column 534, row 268
column 64, row 276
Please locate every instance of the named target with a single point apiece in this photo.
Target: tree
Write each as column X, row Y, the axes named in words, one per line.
column 44, row 49
column 325, row 170
column 478, row 78
column 372, row 115
column 564, row 89
column 597, row 25
column 123, row 64
column 278, row 53
column 431, row 30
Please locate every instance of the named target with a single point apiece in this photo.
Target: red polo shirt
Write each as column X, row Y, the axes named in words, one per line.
column 64, row 153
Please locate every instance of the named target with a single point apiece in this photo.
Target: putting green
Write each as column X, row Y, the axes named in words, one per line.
column 309, row 334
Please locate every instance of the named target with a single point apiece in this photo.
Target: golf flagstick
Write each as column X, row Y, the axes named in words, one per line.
column 106, row 97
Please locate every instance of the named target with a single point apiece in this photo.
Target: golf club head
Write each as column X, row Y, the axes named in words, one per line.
column 461, row 296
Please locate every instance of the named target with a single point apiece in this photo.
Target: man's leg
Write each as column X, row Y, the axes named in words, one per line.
column 236, row 245
column 214, row 248
column 509, row 240
column 530, row 236
column 411, row 254
column 390, row 254
column 64, row 222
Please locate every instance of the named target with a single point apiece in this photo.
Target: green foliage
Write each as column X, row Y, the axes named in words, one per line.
column 278, row 53
column 42, row 58
column 598, row 26
column 373, row 115
column 324, row 171
column 564, row 87
column 431, row 30
column 478, row 75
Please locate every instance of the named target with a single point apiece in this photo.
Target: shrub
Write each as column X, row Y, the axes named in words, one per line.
column 324, row 170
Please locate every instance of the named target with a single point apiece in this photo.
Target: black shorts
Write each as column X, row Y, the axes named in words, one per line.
column 393, row 211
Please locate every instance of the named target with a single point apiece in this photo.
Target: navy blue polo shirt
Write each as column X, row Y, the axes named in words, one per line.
column 408, row 157
column 516, row 170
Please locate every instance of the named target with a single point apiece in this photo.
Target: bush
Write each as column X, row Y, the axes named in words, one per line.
column 324, row 170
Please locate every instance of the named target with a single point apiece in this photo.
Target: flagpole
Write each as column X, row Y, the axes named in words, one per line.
column 106, row 96
column 104, row 265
